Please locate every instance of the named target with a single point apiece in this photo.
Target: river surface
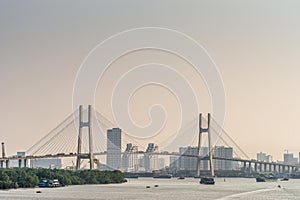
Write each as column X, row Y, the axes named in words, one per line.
column 189, row 188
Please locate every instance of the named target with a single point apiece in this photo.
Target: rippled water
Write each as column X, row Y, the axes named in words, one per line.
column 232, row 188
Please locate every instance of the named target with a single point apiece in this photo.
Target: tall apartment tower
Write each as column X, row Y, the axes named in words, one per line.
column 114, row 142
column 150, row 160
column 130, row 158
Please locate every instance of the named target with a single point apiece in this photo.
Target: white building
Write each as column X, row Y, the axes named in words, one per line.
column 130, row 159
column 223, row 152
column 289, row 159
column 161, row 163
column 263, row 157
column 114, row 138
column 150, row 160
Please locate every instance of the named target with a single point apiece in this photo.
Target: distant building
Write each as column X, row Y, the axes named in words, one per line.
column 150, row 160
column 114, row 138
column 21, row 154
column 161, row 163
column 288, row 158
column 223, row 152
column 141, row 163
column 185, row 162
column 51, row 163
column 130, row 159
column 174, row 163
column 263, row 157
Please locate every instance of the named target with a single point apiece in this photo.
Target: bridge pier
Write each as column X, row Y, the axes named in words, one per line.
column 255, row 166
column 245, row 166
column 88, row 125
column 20, row 163
column 25, row 162
column 260, row 167
column 249, row 169
column 7, row 164
column 201, row 131
column 1, row 164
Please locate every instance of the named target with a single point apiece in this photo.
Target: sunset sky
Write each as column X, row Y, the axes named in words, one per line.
column 254, row 43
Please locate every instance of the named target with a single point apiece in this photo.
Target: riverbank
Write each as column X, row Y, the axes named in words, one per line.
column 30, row 178
column 189, row 188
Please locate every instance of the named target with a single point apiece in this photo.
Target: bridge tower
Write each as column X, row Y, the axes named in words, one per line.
column 88, row 125
column 201, row 131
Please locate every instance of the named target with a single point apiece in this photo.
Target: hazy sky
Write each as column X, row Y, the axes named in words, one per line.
column 255, row 44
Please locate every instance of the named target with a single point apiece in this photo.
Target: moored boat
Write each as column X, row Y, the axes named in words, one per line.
column 207, row 180
column 162, row 176
column 266, row 178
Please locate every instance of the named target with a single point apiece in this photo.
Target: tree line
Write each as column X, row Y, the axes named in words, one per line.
column 29, row 178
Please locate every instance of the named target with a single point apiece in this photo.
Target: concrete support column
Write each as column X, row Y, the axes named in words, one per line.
column 260, row 167
column 265, row 167
column 245, row 166
column 7, row 164
column 279, row 169
column 255, row 167
column 1, row 164
column 25, row 162
column 249, row 170
column 20, row 163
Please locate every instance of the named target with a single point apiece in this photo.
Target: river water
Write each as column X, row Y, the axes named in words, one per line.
column 189, row 188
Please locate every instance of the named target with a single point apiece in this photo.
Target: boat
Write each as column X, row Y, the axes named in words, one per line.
column 284, row 179
column 131, row 175
column 162, row 176
column 50, row 183
column 180, row 178
column 266, row 178
column 44, row 183
column 207, row 180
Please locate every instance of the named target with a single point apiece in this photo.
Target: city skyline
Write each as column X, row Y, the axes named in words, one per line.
column 256, row 53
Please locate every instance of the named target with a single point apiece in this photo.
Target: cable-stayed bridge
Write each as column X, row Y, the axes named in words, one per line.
column 82, row 135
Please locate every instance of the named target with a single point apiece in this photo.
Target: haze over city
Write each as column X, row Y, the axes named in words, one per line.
column 254, row 45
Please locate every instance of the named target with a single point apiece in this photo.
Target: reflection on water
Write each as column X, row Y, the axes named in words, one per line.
column 189, row 188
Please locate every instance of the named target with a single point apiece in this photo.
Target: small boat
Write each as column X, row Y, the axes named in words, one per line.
column 50, row 183
column 162, row 176
column 266, row 178
column 284, row 179
column 44, row 183
column 131, row 175
column 180, row 178
column 207, row 180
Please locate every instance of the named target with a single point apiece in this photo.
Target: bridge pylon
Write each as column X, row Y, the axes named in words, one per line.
column 88, row 125
column 210, row 148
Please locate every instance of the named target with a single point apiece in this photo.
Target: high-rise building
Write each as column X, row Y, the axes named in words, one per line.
column 174, row 162
column 150, row 160
column 130, row 158
column 114, row 138
column 190, row 163
column 223, row 152
column 185, row 162
column 161, row 163
column 289, row 159
column 263, row 157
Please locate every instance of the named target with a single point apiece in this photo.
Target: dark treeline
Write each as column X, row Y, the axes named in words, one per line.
column 29, row 178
